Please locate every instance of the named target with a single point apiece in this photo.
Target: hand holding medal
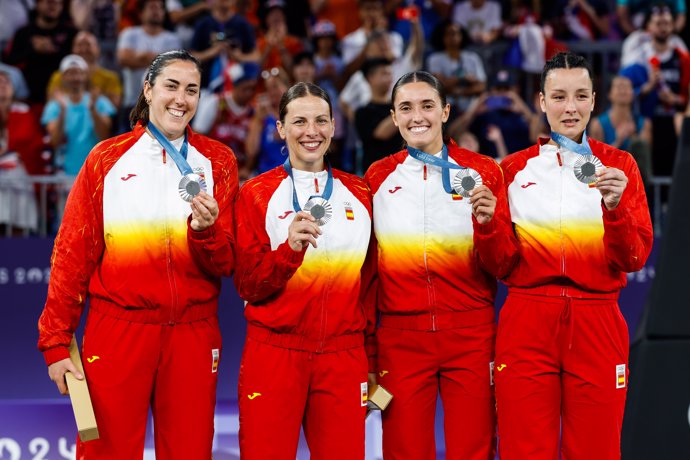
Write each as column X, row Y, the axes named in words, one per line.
column 204, row 211
column 483, row 204
column 303, row 231
column 611, row 183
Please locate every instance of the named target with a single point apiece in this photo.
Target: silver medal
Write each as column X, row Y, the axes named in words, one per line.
column 190, row 186
column 586, row 167
column 465, row 181
column 320, row 209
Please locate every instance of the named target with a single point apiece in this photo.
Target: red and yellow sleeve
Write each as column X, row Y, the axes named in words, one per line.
column 212, row 248
column 260, row 271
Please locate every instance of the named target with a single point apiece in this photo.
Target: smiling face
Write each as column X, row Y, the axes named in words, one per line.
column 308, row 129
column 419, row 114
column 568, row 101
column 174, row 97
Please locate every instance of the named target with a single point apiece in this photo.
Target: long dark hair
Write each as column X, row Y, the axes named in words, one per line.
column 140, row 112
column 566, row 60
column 298, row 90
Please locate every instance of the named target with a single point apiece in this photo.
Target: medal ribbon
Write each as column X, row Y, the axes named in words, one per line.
column 582, row 149
column 327, row 190
column 442, row 163
column 179, row 157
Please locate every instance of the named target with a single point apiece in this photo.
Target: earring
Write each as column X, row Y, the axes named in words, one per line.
column 148, row 101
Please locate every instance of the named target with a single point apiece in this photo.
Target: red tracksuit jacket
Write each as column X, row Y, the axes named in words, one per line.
column 570, row 244
column 125, row 240
column 314, row 293
column 433, row 256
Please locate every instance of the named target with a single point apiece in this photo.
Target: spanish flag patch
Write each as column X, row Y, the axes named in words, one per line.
column 349, row 213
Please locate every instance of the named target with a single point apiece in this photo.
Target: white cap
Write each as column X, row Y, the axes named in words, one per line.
column 73, row 61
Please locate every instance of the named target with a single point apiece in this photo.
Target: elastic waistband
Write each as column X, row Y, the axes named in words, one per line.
column 439, row 321
column 301, row 343
column 555, row 290
column 154, row 315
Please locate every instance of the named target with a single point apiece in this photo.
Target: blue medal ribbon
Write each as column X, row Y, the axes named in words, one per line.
column 327, row 190
column 442, row 163
column 581, row 149
column 179, row 157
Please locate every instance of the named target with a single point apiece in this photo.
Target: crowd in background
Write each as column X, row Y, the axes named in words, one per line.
column 71, row 71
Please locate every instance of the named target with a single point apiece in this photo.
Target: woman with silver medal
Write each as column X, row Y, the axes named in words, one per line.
column 303, row 238
column 580, row 216
column 146, row 236
column 443, row 230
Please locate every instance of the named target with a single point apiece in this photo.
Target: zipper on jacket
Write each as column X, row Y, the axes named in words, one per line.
column 169, row 261
column 560, row 216
column 430, row 285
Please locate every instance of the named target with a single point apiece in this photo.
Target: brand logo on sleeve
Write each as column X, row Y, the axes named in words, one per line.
column 382, row 373
column 254, row 395
column 394, row 189
column 93, row 358
column 128, row 177
column 500, row 367
column 284, row 215
column 528, row 184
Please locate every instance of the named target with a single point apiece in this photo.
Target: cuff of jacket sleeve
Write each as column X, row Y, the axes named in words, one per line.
column 53, row 355
column 290, row 257
column 615, row 214
column 484, row 229
column 199, row 235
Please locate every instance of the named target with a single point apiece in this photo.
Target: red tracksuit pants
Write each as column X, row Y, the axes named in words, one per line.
column 285, row 383
column 561, row 375
column 415, row 366
column 133, row 366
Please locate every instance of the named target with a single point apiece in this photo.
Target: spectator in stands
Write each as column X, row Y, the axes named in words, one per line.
column 356, row 92
column 303, row 67
column 264, row 145
column 332, row 11
column 620, row 127
column 500, row 108
column 276, row 46
column 21, row 90
column 220, row 37
column 481, row 19
column 374, row 30
column 15, row 15
column 431, row 14
column 105, row 81
column 661, row 77
column 183, row 14
column 298, row 17
column 20, row 140
column 631, row 13
column 136, row 48
column 377, row 132
column 75, row 118
column 100, row 18
column 577, row 19
column 460, row 71
column 38, row 47
column 227, row 116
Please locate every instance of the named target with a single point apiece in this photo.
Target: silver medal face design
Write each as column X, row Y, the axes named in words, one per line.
column 320, row 209
column 465, row 181
column 586, row 167
column 190, row 186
